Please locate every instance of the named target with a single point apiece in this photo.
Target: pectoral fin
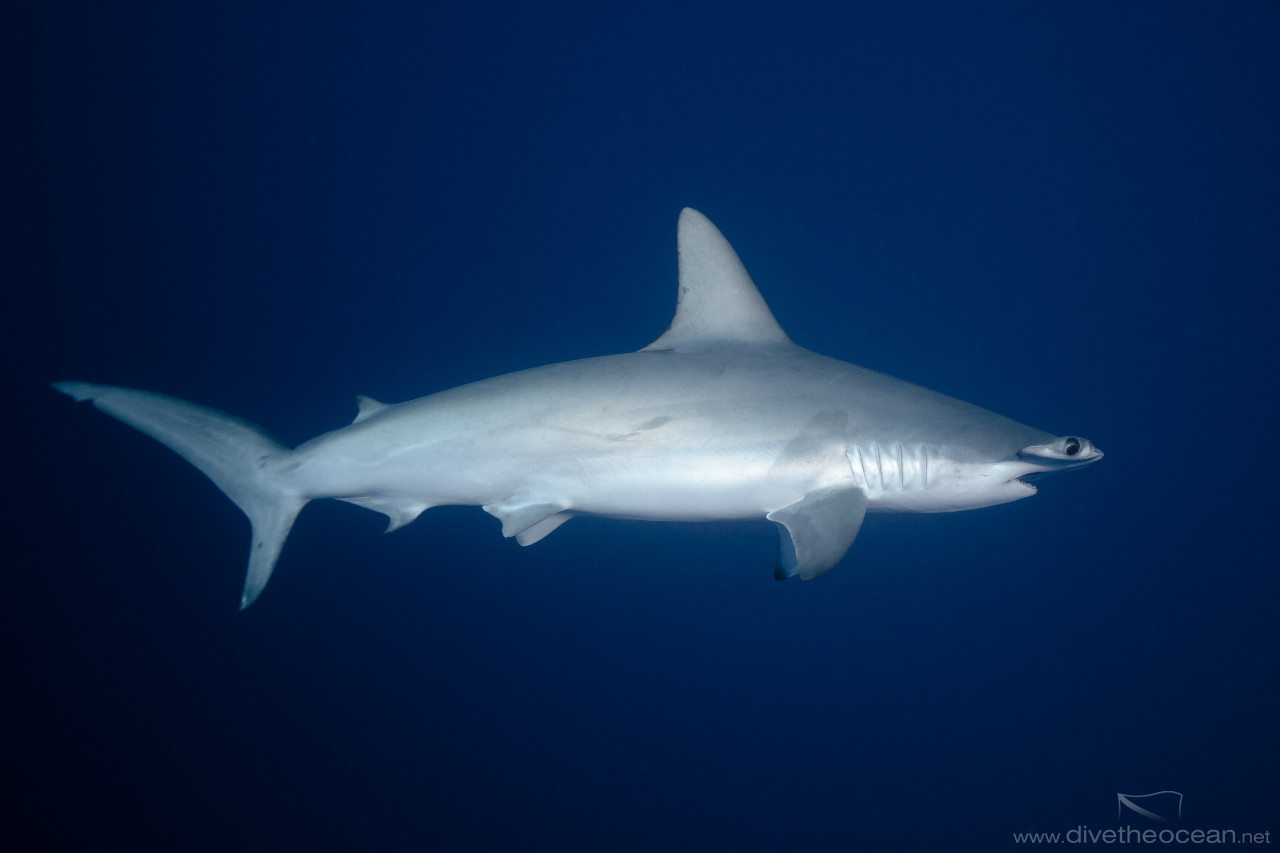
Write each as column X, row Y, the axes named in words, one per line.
column 816, row 531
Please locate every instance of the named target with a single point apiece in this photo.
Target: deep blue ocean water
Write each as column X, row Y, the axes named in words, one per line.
column 1067, row 213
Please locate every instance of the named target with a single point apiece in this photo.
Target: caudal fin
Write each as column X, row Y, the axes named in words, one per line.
column 238, row 456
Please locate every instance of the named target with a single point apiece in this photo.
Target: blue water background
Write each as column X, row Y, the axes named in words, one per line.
column 1067, row 213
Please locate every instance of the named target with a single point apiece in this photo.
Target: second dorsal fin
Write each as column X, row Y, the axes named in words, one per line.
column 367, row 406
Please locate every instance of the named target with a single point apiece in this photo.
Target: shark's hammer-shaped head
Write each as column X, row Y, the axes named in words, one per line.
column 1061, row 454
column 1070, row 451
column 976, row 484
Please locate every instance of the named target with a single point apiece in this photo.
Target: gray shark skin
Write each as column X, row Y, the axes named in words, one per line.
column 721, row 417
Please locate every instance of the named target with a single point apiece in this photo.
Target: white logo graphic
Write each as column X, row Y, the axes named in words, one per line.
column 1162, row 806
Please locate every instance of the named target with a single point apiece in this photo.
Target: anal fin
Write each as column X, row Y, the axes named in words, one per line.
column 815, row 532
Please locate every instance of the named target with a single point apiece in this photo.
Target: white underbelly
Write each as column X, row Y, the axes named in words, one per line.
column 680, row 486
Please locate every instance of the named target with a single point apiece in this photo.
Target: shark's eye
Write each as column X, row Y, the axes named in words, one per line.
column 1071, row 446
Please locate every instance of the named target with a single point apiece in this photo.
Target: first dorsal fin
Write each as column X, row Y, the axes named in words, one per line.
column 717, row 301
column 367, row 406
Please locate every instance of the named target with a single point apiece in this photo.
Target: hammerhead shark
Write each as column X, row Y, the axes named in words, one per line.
column 722, row 417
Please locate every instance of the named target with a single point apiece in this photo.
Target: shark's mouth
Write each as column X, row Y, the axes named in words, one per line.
column 1029, row 480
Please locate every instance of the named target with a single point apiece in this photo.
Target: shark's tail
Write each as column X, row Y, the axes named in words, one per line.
column 239, row 457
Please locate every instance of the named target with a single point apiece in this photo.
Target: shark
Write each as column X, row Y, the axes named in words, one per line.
column 721, row 417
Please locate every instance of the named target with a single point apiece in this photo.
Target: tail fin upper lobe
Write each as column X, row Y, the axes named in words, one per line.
column 238, row 456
